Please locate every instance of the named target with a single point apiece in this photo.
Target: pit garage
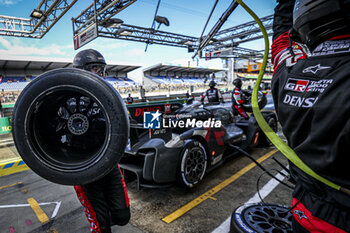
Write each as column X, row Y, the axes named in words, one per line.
column 48, row 203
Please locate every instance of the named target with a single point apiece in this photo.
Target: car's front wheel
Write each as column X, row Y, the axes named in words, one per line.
column 193, row 164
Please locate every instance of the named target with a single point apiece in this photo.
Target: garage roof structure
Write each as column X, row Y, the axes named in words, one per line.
column 24, row 67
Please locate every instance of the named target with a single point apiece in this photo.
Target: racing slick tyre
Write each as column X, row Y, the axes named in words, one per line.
column 247, row 105
column 193, row 164
column 259, row 217
column 70, row 126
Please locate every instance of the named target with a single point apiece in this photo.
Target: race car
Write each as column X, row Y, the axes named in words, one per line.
column 160, row 157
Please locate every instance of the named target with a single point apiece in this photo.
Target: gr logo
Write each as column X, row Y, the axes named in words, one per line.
column 298, row 85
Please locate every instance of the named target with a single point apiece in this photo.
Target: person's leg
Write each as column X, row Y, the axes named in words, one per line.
column 95, row 207
column 241, row 111
column 117, row 198
column 88, row 209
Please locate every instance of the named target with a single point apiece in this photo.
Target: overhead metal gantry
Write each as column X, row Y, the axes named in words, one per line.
column 99, row 12
column 98, row 17
column 234, row 52
column 148, row 35
column 42, row 19
column 106, row 26
column 96, row 21
column 233, row 36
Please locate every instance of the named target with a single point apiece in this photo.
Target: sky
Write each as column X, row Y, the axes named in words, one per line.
column 186, row 17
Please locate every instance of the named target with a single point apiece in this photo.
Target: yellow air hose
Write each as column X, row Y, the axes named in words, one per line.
column 277, row 141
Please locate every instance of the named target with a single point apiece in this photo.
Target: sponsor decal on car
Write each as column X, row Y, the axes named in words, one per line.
column 167, row 108
column 140, row 111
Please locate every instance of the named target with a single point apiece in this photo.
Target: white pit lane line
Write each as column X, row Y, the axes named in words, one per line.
column 58, row 204
column 264, row 192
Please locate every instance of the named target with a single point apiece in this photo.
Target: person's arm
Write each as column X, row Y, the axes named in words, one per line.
column 203, row 96
column 237, row 96
column 283, row 18
column 282, row 24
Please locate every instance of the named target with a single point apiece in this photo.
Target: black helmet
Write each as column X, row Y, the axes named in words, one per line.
column 212, row 83
column 90, row 59
column 237, row 82
column 318, row 20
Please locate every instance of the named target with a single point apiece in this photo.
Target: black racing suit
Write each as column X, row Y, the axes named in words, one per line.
column 105, row 202
column 129, row 100
column 312, row 101
column 213, row 95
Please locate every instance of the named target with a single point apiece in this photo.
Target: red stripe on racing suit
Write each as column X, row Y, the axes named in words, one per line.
column 280, row 51
column 124, row 187
column 237, row 102
column 310, row 222
column 237, row 96
column 241, row 111
column 105, row 201
column 88, row 210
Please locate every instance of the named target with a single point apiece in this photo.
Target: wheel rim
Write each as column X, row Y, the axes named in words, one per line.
column 68, row 128
column 194, row 165
column 268, row 218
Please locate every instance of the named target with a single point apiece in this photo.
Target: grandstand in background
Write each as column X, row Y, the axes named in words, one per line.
column 178, row 76
column 16, row 74
column 158, row 80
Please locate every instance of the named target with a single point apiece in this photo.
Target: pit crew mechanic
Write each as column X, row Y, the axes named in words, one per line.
column 213, row 94
column 311, row 95
column 129, row 99
column 237, row 100
column 105, row 201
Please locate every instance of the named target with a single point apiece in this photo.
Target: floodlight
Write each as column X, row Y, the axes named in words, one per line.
column 162, row 20
column 123, row 32
column 112, row 23
column 186, row 42
column 37, row 14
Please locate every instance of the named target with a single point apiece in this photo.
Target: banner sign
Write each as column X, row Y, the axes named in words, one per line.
column 85, row 36
column 5, row 125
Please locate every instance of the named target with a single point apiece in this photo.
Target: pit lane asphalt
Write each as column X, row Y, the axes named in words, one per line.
column 148, row 206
